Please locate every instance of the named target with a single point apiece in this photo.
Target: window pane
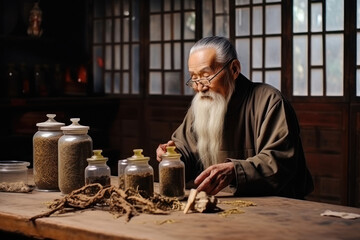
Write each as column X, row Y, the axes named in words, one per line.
column 358, row 14
column 273, row 19
column 222, row 26
column 257, row 76
column 167, row 56
column 177, row 56
column 317, row 82
column 108, row 57
column 334, row 64
column 126, row 35
column 135, row 68
column 207, row 18
column 358, row 82
column 316, row 17
column 155, row 31
column 108, row 82
column 316, row 50
column 243, row 50
column 188, row 4
column 99, row 8
column 125, row 83
column 242, row 2
column 135, row 19
column 172, row 83
column 221, row 6
column 273, row 52
column 177, row 26
column 155, row 56
column 108, row 30
column 117, row 82
column 167, row 27
column 117, row 57
column 126, row 56
column 98, row 63
column 273, row 78
column 155, row 83
column 358, row 49
column 300, row 13
column 334, row 15
column 257, row 20
column 98, row 31
column 108, row 8
column 155, row 5
column 257, row 53
column 117, row 30
column 242, row 22
column 300, row 67
column 189, row 31
column 187, row 46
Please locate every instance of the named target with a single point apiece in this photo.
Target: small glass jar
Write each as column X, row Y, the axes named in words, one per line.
column 139, row 175
column 97, row 171
column 45, row 154
column 172, row 174
column 13, row 172
column 122, row 164
column 75, row 147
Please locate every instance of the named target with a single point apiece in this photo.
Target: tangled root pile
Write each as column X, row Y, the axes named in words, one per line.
column 127, row 203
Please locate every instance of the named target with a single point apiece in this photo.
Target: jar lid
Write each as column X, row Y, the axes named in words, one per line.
column 97, row 157
column 75, row 127
column 171, row 153
column 51, row 123
column 138, row 156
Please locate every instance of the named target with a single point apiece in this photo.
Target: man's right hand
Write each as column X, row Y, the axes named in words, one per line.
column 162, row 149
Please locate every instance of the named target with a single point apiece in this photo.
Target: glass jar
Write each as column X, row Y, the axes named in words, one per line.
column 172, row 174
column 139, row 175
column 13, row 172
column 122, row 164
column 75, row 147
column 97, row 171
column 45, row 154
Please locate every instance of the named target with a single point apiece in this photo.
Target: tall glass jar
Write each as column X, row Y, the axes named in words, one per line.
column 122, row 164
column 97, row 171
column 139, row 175
column 172, row 174
column 75, row 146
column 45, row 154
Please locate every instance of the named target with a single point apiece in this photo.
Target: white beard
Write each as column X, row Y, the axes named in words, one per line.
column 209, row 111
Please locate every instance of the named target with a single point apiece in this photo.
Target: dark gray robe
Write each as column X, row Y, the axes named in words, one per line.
column 261, row 137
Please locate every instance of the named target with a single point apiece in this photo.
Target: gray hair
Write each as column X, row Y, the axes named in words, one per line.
column 225, row 51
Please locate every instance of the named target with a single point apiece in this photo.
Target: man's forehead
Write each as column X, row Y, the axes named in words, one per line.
column 202, row 58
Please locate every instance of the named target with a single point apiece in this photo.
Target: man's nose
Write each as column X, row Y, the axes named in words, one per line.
column 201, row 88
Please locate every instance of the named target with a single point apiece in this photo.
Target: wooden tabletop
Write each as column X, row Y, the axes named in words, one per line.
column 271, row 218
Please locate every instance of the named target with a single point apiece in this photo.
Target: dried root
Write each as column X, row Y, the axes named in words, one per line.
column 119, row 202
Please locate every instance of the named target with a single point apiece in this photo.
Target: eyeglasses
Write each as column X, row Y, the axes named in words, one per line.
column 206, row 81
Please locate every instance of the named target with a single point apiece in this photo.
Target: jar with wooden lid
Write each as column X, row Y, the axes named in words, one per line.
column 75, row 147
column 97, row 170
column 172, row 174
column 139, row 175
column 45, row 154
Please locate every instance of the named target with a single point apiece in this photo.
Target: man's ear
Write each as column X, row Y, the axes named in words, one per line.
column 235, row 68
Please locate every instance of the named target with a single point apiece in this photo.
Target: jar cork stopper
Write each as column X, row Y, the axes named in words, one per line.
column 171, row 153
column 138, row 155
column 97, row 156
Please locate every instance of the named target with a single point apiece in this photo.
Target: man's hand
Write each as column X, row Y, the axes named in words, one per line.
column 162, row 149
column 216, row 177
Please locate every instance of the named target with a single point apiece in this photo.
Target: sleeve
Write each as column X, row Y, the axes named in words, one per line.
column 271, row 169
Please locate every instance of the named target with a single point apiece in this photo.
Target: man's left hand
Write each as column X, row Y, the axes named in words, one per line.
column 216, row 177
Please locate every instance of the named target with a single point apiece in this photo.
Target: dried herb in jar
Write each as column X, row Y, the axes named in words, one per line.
column 142, row 181
column 172, row 181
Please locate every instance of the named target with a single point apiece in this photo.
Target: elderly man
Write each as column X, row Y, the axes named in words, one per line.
column 238, row 133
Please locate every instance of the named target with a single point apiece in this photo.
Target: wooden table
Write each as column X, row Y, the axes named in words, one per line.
column 271, row 218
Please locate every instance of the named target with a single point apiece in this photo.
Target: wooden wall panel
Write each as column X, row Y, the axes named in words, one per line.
column 324, row 133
